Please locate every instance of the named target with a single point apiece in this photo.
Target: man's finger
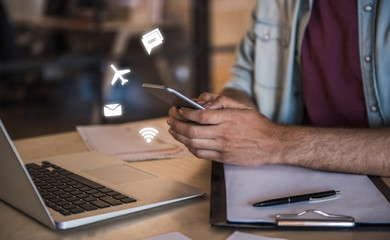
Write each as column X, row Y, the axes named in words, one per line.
column 206, row 154
column 192, row 131
column 206, row 97
column 226, row 102
column 174, row 113
column 209, row 116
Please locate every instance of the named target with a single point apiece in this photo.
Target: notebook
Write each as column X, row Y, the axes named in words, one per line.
column 72, row 190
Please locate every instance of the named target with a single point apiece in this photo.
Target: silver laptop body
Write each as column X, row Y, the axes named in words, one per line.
column 148, row 189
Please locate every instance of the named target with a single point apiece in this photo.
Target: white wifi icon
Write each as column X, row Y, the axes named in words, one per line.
column 148, row 133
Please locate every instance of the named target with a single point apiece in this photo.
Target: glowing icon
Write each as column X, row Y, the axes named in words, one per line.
column 112, row 110
column 148, row 133
column 152, row 39
column 118, row 75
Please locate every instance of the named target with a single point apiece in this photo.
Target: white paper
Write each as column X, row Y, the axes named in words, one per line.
column 125, row 142
column 169, row 236
column 359, row 198
column 246, row 236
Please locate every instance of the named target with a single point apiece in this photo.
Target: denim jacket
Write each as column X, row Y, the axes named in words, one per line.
column 268, row 64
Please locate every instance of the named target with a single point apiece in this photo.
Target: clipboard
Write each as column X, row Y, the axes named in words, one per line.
column 298, row 221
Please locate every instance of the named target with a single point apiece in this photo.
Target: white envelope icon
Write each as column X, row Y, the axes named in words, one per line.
column 111, row 110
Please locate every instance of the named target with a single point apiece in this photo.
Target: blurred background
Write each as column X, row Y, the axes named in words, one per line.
column 55, row 57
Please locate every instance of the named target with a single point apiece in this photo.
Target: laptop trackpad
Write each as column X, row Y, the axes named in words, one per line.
column 118, row 174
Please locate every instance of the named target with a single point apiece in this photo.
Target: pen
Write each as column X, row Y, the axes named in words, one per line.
column 297, row 198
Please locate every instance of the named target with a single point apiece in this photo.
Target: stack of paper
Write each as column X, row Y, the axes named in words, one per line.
column 125, row 141
column 235, row 236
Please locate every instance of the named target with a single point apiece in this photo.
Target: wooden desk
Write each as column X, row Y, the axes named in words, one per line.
column 191, row 217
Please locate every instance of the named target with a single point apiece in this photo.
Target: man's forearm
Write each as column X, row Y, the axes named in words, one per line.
column 364, row 151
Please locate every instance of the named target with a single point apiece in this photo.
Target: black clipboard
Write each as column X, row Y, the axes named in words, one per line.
column 218, row 216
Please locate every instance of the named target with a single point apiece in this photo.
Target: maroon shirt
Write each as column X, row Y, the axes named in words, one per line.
column 331, row 74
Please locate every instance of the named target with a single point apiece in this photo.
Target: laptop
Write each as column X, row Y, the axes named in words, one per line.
column 72, row 190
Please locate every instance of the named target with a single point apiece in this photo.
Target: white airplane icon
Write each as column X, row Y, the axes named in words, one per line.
column 118, row 75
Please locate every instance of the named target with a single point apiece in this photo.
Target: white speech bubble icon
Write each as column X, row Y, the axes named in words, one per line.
column 152, row 39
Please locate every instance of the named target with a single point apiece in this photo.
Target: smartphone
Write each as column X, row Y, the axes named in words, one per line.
column 171, row 96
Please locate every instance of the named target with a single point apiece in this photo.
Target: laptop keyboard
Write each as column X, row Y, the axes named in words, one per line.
column 69, row 193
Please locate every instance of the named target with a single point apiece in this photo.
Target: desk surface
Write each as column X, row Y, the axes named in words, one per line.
column 191, row 217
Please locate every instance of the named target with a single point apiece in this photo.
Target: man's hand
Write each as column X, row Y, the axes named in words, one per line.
column 227, row 131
